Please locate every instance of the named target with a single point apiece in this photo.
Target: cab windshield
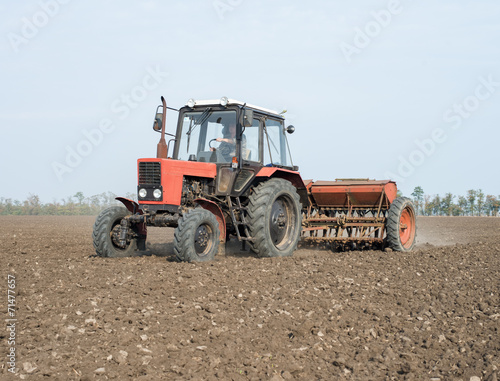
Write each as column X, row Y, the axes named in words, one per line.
column 208, row 135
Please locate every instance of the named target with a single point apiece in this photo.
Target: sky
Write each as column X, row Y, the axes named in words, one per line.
column 394, row 89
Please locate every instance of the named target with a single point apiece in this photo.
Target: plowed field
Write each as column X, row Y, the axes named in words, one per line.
column 430, row 314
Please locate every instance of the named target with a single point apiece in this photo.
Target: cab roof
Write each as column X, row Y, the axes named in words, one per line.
column 217, row 102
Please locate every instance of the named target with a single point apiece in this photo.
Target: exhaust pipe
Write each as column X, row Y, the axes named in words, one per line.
column 162, row 148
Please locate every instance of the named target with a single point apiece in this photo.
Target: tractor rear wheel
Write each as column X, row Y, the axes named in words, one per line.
column 196, row 237
column 401, row 225
column 106, row 231
column 275, row 218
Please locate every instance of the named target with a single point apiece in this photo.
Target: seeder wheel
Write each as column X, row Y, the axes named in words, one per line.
column 401, row 225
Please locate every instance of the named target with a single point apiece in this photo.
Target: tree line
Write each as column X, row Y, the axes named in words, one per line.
column 73, row 205
column 473, row 203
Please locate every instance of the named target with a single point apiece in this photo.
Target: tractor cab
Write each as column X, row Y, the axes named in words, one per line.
column 230, row 131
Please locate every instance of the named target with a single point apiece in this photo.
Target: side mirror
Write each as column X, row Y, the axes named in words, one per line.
column 247, row 118
column 290, row 129
column 158, row 122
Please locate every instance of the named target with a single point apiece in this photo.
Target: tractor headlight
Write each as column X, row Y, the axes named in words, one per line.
column 157, row 193
column 191, row 103
column 224, row 101
column 143, row 193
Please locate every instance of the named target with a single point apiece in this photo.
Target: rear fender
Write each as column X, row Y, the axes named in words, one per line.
column 133, row 208
column 213, row 208
column 292, row 176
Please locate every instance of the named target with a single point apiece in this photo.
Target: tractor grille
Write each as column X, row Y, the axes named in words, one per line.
column 150, row 173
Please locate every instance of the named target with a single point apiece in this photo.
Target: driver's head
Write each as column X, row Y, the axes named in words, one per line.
column 229, row 130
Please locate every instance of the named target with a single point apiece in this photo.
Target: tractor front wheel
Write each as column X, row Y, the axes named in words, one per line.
column 275, row 219
column 401, row 225
column 196, row 237
column 106, row 231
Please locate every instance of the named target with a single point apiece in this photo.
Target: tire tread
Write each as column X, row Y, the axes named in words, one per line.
column 183, row 235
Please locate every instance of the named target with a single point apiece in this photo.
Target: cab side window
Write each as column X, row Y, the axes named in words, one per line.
column 250, row 151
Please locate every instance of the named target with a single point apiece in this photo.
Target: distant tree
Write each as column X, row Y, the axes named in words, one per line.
column 479, row 202
column 491, row 205
column 80, row 197
column 471, row 198
column 462, row 205
column 52, row 209
column 32, row 205
column 447, row 204
column 436, row 205
column 427, row 208
column 7, row 206
column 17, row 208
column 418, row 197
column 455, row 210
column 95, row 202
column 69, row 207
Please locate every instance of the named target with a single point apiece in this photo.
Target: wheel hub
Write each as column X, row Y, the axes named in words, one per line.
column 406, row 229
column 277, row 223
column 201, row 239
column 115, row 237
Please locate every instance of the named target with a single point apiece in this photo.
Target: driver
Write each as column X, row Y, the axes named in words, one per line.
column 227, row 147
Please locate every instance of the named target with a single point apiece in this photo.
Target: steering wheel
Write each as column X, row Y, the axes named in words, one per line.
column 210, row 143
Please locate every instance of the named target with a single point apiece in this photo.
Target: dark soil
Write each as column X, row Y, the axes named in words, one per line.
column 430, row 314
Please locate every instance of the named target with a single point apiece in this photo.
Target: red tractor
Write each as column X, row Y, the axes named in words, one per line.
column 228, row 171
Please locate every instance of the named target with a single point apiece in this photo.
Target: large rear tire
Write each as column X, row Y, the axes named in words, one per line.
column 275, row 221
column 196, row 237
column 401, row 225
column 102, row 236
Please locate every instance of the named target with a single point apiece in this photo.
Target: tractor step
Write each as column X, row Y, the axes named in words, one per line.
column 236, row 222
